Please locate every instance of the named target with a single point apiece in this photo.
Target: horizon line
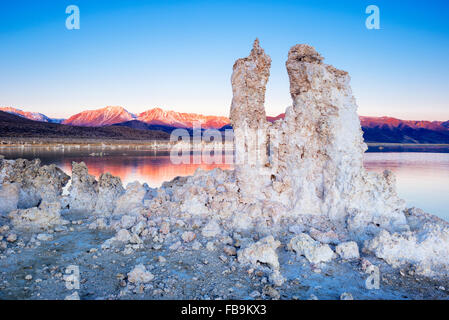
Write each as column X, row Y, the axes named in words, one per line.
column 195, row 113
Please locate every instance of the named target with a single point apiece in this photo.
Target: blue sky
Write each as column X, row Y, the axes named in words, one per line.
column 179, row 54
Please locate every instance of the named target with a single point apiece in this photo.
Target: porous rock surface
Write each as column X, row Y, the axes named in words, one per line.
column 263, row 251
column 315, row 163
column 44, row 217
column 140, row 275
column 425, row 248
column 83, row 191
column 348, row 250
column 36, row 182
column 109, row 189
column 314, row 251
column 9, row 197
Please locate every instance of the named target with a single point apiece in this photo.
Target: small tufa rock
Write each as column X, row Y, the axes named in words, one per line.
column 188, row 236
column 44, row 237
column 175, row 246
column 230, row 251
column 348, row 250
column 276, row 278
column 44, row 217
column 254, row 294
column 140, row 275
column 73, row 296
column 263, row 251
column 9, row 197
column 314, row 251
column 417, row 247
column 346, row 296
column 196, row 245
column 212, row 229
column 12, row 238
column 165, row 228
column 271, row 292
column 123, row 235
column 210, row 246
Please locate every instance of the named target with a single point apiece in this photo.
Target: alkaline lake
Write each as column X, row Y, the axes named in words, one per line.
column 422, row 177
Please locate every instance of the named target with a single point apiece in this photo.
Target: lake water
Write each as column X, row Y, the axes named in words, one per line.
column 422, row 177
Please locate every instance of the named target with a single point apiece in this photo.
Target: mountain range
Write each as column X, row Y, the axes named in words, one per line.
column 30, row 115
column 375, row 129
column 14, row 126
column 392, row 130
column 157, row 116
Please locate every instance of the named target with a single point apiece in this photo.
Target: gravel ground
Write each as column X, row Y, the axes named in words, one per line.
column 31, row 269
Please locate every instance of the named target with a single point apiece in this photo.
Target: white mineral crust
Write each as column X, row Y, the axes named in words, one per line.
column 140, row 275
column 314, row 251
column 109, row 189
column 36, row 183
column 83, row 191
column 314, row 160
column 263, row 251
column 348, row 250
column 44, row 217
column 9, row 197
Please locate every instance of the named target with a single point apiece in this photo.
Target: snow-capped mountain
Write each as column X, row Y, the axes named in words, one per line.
column 100, row 117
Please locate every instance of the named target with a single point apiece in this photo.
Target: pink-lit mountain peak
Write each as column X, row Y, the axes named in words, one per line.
column 179, row 119
column 29, row 115
column 100, row 117
column 390, row 122
column 157, row 116
column 371, row 122
column 113, row 115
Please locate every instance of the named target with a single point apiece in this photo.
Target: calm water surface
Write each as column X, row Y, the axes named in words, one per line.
column 422, row 178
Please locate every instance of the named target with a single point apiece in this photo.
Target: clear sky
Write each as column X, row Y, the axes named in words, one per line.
column 178, row 55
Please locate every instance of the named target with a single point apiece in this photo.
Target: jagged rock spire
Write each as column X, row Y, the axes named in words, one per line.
column 248, row 118
column 316, row 153
column 249, row 80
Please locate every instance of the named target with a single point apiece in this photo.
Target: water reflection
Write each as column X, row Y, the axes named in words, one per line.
column 150, row 169
column 130, row 165
column 422, row 178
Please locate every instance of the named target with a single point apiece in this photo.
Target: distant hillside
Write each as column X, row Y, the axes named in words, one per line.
column 375, row 130
column 30, row 115
column 392, row 130
column 19, row 127
column 124, row 123
column 140, row 125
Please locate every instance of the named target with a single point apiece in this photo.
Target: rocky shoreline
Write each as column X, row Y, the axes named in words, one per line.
column 134, row 243
column 7, row 142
